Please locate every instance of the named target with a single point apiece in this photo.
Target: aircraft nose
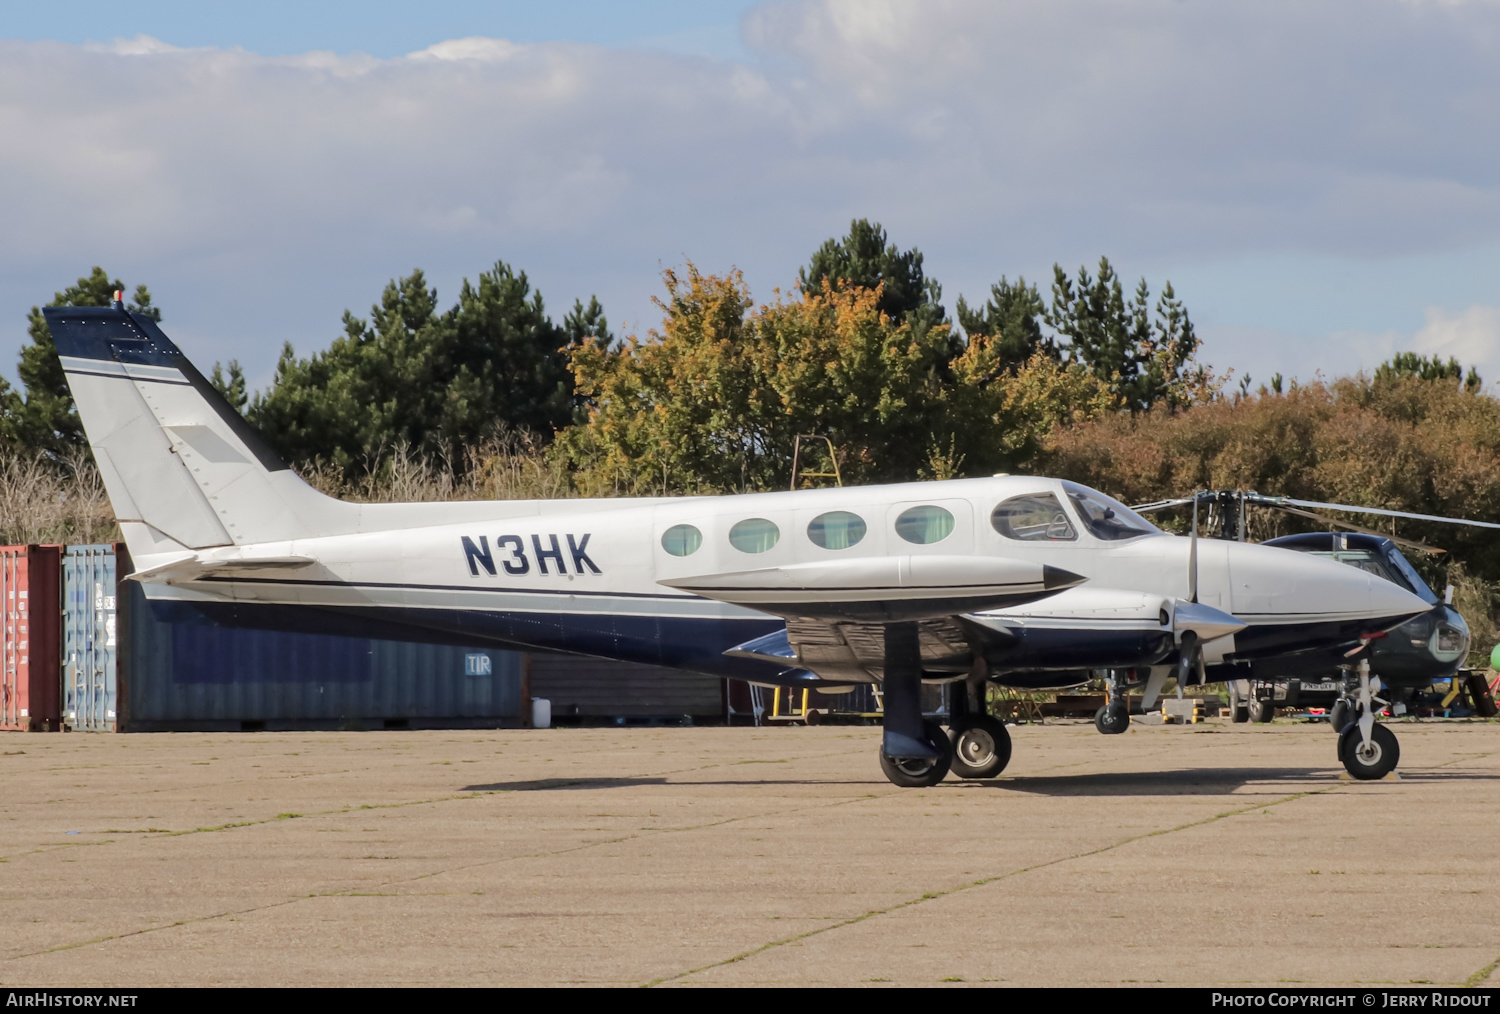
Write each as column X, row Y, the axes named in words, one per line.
column 1283, row 585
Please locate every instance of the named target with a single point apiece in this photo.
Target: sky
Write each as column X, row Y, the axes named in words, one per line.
column 1319, row 182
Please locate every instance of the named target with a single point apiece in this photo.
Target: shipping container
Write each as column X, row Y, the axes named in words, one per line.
column 89, row 638
column 30, row 609
column 140, row 665
column 582, row 687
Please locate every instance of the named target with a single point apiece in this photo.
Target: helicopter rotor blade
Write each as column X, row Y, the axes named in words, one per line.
column 1410, row 543
column 1272, row 501
column 1161, row 505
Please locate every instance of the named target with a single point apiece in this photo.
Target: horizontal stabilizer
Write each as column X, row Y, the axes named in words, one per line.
column 195, row 566
column 773, row 647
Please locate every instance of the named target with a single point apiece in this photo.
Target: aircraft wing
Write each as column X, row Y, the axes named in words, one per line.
column 851, row 652
column 883, row 589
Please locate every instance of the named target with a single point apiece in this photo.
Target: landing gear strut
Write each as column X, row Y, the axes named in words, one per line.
column 913, row 753
column 1368, row 750
column 1114, row 717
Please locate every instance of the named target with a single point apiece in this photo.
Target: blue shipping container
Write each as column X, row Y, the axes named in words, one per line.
column 89, row 641
column 178, row 670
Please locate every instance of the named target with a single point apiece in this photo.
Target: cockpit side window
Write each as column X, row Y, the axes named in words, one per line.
column 1107, row 519
column 1036, row 517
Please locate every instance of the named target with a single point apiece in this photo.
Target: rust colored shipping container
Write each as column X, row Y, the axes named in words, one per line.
column 31, row 604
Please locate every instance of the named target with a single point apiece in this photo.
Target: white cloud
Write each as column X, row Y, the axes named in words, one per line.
column 998, row 137
column 1471, row 336
column 141, row 45
column 472, row 48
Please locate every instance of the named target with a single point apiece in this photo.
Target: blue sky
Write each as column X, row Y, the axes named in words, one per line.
column 1321, row 183
column 384, row 28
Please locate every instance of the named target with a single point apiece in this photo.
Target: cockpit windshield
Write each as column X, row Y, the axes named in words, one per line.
column 1105, row 517
column 1413, row 579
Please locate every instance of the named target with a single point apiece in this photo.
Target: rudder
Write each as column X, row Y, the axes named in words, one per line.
column 173, row 453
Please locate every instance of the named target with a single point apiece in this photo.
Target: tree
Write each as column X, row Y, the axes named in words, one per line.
column 506, row 360
column 713, row 401
column 1400, row 443
column 233, row 389
column 1144, row 359
column 48, row 419
column 1012, row 317
column 1410, row 364
column 430, row 382
column 866, row 259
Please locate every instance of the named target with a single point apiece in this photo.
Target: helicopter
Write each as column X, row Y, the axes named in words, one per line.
column 1405, row 659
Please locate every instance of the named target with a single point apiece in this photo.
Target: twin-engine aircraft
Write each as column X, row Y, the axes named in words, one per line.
column 1022, row 581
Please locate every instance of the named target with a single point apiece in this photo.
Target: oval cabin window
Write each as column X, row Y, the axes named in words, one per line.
column 681, row 540
column 924, row 525
column 754, row 535
column 836, row 530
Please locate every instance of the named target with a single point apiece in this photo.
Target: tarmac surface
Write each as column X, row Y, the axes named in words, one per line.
column 1215, row 855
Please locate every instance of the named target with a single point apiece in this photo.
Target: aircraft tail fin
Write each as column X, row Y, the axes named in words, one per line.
column 181, row 466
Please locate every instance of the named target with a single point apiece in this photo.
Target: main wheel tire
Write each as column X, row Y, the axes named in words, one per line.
column 1262, row 711
column 1381, row 758
column 1240, row 714
column 1111, row 720
column 914, row 773
column 1340, row 715
column 981, row 747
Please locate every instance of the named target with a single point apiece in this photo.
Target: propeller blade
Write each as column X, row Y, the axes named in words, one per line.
column 1276, row 500
column 1193, row 557
column 1410, row 543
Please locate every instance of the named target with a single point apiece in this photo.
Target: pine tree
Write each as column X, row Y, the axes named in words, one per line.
column 1410, row 364
column 866, row 258
column 429, row 381
column 1145, row 359
column 1013, row 317
column 232, row 389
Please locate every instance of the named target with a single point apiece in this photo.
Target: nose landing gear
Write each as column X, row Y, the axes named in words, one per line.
column 1114, row 717
column 1367, row 750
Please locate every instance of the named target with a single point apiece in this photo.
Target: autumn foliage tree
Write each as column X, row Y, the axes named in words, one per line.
column 1392, row 441
column 714, row 399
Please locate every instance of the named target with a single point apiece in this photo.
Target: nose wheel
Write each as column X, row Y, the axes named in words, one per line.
column 1372, row 760
column 1114, row 717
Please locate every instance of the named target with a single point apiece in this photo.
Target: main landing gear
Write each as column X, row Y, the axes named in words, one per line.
column 1368, row 750
column 915, row 752
column 981, row 744
column 919, row 772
